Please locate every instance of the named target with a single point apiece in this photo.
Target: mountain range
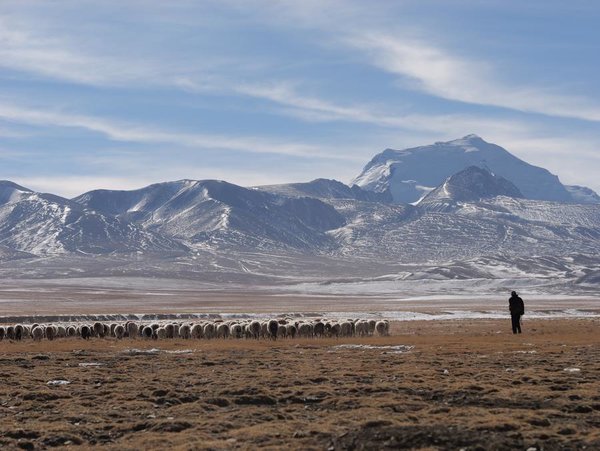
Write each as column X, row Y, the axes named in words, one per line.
column 457, row 201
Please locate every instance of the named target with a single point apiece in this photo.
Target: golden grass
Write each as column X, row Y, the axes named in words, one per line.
column 463, row 385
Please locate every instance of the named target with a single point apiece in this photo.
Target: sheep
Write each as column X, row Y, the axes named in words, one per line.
column 2, row 333
column 196, row 331
column 71, row 331
column 372, row 324
column 119, row 331
column 254, row 328
column 98, row 330
column 19, row 332
column 209, row 330
column 291, row 330
column 170, row 330
column 50, row 332
column 272, row 327
column 161, row 333
column 236, row 331
column 362, row 328
column 106, row 330
column 346, row 329
column 61, row 332
column 264, row 329
column 147, row 332
column 86, row 332
column 10, row 332
column 132, row 330
column 185, row 331
column 37, row 333
column 282, row 331
column 382, row 328
column 222, row 331
column 335, row 330
column 319, row 329
column 305, row 330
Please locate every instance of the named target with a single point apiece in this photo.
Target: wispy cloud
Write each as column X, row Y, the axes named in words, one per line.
column 313, row 108
column 440, row 73
column 147, row 134
column 24, row 50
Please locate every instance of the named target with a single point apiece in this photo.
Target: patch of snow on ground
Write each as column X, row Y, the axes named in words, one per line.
column 397, row 349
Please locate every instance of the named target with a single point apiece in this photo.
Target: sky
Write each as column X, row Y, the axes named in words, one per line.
column 122, row 94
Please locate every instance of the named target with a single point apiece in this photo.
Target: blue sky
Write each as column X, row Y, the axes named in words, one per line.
column 121, row 94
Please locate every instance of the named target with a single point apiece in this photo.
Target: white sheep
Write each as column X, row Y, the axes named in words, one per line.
column 132, row 329
column 282, row 331
column 37, row 333
column 346, row 329
column 255, row 329
column 119, row 331
column 305, row 330
column 372, row 324
column 161, row 333
column 383, row 328
column 50, row 332
column 291, row 330
column 147, row 332
column 19, row 332
column 98, row 329
column 272, row 327
column 335, row 330
column 209, row 331
column 196, row 331
column 236, row 331
column 86, row 332
column 319, row 329
column 61, row 331
column 222, row 331
column 185, row 331
column 362, row 328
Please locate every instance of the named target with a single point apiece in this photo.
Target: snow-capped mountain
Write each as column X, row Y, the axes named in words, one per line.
column 213, row 212
column 409, row 174
column 475, row 211
column 45, row 224
column 469, row 185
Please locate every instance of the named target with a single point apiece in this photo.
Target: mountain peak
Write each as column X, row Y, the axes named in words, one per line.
column 4, row 184
column 470, row 185
column 408, row 174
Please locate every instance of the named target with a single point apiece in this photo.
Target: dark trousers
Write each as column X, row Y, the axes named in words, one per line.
column 516, row 323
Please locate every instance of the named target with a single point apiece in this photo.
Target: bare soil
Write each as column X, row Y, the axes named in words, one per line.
column 465, row 384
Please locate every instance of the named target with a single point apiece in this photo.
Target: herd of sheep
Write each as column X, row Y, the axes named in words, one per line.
column 248, row 329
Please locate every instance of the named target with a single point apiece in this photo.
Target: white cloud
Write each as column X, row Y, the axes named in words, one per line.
column 147, row 134
column 439, row 73
column 25, row 50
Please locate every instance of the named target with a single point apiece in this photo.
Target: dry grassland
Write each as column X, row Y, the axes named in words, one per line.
column 468, row 384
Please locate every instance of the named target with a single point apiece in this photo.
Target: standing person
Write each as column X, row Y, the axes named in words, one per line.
column 517, row 309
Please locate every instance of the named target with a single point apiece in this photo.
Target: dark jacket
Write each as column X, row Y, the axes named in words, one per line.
column 516, row 305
